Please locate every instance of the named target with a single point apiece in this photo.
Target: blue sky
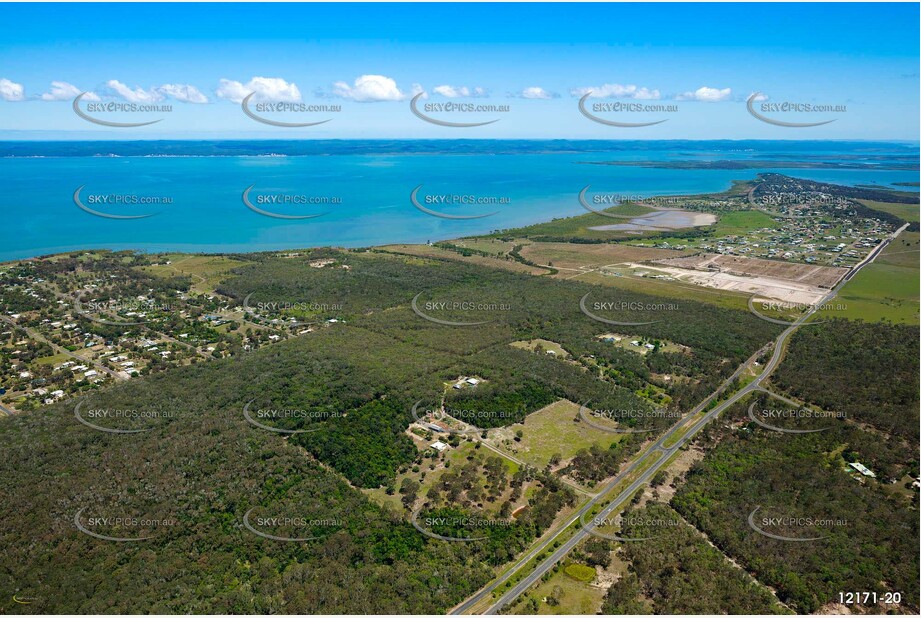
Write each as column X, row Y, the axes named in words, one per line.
column 696, row 64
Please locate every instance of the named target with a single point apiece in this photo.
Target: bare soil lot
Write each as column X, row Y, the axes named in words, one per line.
column 820, row 276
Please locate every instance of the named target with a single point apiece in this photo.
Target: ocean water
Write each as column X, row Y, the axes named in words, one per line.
column 367, row 185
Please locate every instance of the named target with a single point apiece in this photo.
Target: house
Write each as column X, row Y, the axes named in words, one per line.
column 635, row 343
column 862, row 469
column 439, row 445
column 91, row 373
column 649, row 346
column 472, row 381
column 437, row 425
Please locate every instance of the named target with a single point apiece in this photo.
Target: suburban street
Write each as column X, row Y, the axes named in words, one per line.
column 59, row 350
column 657, row 447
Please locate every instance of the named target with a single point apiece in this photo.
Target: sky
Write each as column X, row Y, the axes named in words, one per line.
column 692, row 65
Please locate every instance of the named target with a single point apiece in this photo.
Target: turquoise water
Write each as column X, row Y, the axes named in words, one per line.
column 207, row 213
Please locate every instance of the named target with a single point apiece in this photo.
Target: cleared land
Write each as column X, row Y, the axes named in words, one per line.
column 662, row 220
column 909, row 212
column 888, row 288
column 624, row 279
column 206, row 271
column 562, row 594
column 428, row 251
column 489, row 245
column 810, row 274
column 547, row 345
column 570, row 256
column 626, row 342
column 431, row 470
column 743, row 221
column 788, row 291
column 550, row 430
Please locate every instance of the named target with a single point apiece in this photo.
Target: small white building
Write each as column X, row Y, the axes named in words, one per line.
column 862, row 469
column 439, row 446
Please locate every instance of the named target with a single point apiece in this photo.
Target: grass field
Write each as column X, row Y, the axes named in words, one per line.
column 51, row 360
column 427, row 251
column 571, row 596
column 580, row 572
column 548, row 346
column 551, row 430
column 489, row 245
column 206, row 271
column 909, row 212
column 743, row 221
column 888, row 288
column 570, row 257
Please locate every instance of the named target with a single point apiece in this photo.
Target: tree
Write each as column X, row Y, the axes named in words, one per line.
column 409, row 489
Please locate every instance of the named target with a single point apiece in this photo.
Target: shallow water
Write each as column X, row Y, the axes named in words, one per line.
column 540, row 181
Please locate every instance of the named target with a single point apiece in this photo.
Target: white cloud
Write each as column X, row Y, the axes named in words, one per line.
column 616, row 91
column 760, row 96
column 645, row 93
column 11, row 91
column 455, row 92
column 64, row 91
column 183, row 92
column 370, row 88
column 708, row 95
column 180, row 92
column 266, row 88
column 137, row 95
column 536, row 92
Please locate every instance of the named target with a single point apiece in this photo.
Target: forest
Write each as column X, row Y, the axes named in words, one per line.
column 203, row 466
column 679, row 573
column 868, row 527
column 868, row 371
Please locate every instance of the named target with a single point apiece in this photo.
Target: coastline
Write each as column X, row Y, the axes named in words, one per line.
column 207, row 216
